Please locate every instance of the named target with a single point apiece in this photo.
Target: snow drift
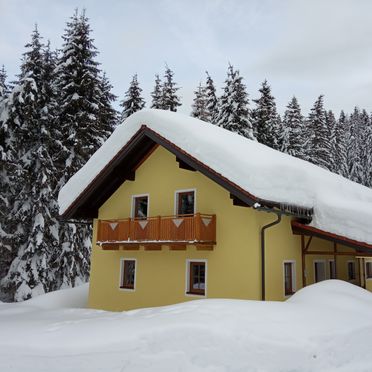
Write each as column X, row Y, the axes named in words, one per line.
column 340, row 206
column 324, row 327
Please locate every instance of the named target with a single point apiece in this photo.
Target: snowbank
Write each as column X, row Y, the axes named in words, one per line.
column 326, row 327
column 340, row 206
column 65, row 298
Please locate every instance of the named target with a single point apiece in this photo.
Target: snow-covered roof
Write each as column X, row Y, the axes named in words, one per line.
column 340, row 206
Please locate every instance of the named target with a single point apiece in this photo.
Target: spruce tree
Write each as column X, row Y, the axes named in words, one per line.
column 211, row 100
column 266, row 125
column 133, row 100
column 342, row 136
column 199, row 109
column 367, row 155
column 34, row 208
column 233, row 106
column 318, row 135
column 169, row 99
column 293, row 139
column 331, row 142
column 156, row 94
column 7, row 170
column 79, row 85
column 4, row 89
column 107, row 115
column 355, row 167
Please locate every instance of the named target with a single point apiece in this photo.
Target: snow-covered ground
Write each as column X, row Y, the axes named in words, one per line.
column 324, row 327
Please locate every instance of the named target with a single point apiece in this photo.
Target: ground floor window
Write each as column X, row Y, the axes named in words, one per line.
column 128, row 274
column 289, row 278
column 319, row 271
column 351, row 270
column 369, row 270
column 332, row 269
column 196, row 277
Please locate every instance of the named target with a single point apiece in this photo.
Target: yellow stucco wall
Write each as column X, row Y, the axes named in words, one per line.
column 233, row 267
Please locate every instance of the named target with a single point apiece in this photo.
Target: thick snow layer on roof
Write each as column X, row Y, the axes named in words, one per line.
column 326, row 327
column 340, row 206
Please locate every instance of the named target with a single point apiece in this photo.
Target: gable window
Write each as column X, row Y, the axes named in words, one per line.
column 140, row 206
column 196, row 277
column 289, row 278
column 128, row 274
column 185, row 202
column 351, row 270
column 332, row 269
column 369, row 270
column 319, row 271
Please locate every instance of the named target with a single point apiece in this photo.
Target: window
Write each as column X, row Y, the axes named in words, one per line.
column 332, row 269
column 319, row 271
column 128, row 274
column 369, row 270
column 196, row 281
column 289, row 278
column 351, row 270
column 140, row 206
column 185, row 202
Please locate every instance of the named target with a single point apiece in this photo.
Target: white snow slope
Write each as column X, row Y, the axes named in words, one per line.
column 324, row 327
column 340, row 206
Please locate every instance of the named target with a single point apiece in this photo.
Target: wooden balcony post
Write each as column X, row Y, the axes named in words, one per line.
column 129, row 228
column 197, row 220
column 158, row 221
column 98, row 238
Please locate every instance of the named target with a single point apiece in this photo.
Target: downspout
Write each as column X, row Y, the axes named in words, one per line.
column 263, row 229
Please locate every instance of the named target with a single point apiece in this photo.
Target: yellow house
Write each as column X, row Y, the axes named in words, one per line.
column 184, row 210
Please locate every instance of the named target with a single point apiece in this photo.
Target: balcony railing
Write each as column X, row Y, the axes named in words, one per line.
column 186, row 229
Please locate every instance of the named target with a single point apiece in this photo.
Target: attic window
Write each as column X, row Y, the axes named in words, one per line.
column 140, row 206
column 185, row 202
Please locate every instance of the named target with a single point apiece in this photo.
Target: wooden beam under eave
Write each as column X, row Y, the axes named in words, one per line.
column 177, row 247
column 204, row 247
column 184, row 165
column 152, row 247
column 130, row 247
column 110, row 247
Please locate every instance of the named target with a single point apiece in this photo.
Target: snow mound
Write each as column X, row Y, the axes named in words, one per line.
column 340, row 206
column 323, row 328
column 334, row 293
column 76, row 297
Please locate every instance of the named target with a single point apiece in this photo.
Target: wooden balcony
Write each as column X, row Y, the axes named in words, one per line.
column 174, row 231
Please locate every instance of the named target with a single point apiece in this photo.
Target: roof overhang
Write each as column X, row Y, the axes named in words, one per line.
column 299, row 228
column 123, row 166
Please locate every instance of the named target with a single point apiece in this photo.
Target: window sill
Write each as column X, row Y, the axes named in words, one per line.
column 127, row 289
column 195, row 294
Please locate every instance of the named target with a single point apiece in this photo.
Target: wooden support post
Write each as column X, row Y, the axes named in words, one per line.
column 335, row 257
column 303, row 261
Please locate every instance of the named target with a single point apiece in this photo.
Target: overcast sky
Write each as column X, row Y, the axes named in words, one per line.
column 303, row 48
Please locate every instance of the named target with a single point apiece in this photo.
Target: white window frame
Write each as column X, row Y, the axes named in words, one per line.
column 121, row 277
column 365, row 269
column 325, row 269
column 294, row 287
column 187, row 278
column 132, row 204
column 329, row 268
column 176, row 199
column 347, row 270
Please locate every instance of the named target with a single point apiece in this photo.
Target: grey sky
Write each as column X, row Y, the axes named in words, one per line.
column 302, row 47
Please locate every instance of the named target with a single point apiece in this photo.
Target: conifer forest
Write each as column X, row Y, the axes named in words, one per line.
column 59, row 110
